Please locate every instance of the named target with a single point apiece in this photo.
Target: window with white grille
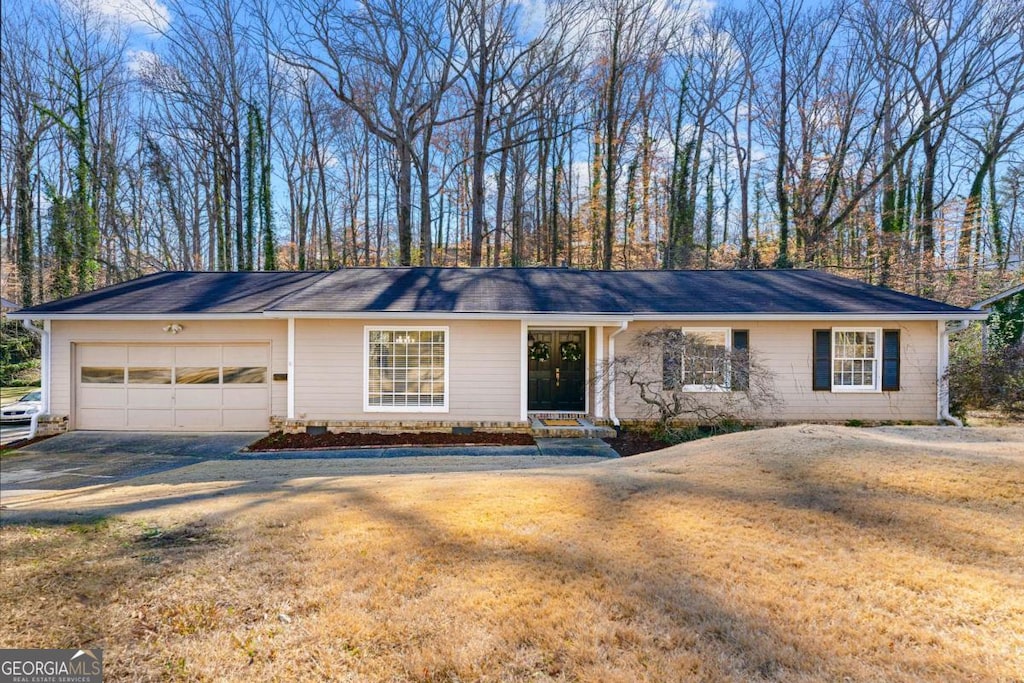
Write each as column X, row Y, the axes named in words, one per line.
column 407, row 369
column 855, row 359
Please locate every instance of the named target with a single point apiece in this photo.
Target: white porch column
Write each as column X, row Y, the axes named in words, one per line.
column 291, row 368
column 524, row 370
column 600, row 372
column 611, row 371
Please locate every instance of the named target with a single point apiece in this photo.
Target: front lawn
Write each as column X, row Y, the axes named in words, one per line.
column 12, row 394
column 794, row 554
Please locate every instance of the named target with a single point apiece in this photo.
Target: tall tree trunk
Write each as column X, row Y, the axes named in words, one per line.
column 23, row 228
column 972, row 219
column 426, row 237
column 404, row 205
column 499, row 208
column 611, row 145
column 479, row 141
column 709, row 214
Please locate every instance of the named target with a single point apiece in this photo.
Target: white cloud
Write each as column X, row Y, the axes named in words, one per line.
column 147, row 15
column 533, row 16
column 142, row 61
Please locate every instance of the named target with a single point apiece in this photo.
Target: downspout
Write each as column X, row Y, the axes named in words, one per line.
column 611, row 371
column 44, row 371
column 943, row 378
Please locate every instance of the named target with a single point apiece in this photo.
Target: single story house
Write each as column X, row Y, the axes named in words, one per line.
column 439, row 348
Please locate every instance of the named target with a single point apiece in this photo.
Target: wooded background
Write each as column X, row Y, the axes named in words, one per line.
column 880, row 140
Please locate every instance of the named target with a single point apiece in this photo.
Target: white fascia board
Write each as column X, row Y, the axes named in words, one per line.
column 905, row 317
column 136, row 316
column 530, row 318
column 534, row 318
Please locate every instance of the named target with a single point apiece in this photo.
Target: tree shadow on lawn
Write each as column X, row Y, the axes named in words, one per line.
column 60, row 577
column 707, row 631
column 630, row 611
column 980, row 554
column 713, row 638
column 960, row 510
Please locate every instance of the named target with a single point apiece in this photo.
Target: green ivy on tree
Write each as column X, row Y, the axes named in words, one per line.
column 1006, row 322
column 19, row 353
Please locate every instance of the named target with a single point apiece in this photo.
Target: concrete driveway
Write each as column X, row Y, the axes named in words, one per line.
column 77, row 459
column 14, row 431
column 80, row 459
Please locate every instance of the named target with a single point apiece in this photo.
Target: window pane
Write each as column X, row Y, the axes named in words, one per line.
column 95, row 375
column 853, row 359
column 704, row 358
column 245, row 375
column 149, row 375
column 406, row 368
column 197, row 375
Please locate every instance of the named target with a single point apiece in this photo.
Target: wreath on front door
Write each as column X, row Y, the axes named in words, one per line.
column 571, row 351
column 540, row 351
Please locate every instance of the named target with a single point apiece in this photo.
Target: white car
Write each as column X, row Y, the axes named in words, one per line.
column 23, row 409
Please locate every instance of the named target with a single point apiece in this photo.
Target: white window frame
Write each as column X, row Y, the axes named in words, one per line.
column 876, row 375
column 366, row 368
column 727, row 372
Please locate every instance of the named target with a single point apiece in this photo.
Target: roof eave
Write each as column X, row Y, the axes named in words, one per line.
column 507, row 315
column 52, row 315
column 995, row 298
column 861, row 315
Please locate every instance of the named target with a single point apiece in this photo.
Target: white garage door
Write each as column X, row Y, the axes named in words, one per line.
column 189, row 387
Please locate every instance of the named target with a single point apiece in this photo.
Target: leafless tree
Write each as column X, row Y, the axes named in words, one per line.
column 683, row 378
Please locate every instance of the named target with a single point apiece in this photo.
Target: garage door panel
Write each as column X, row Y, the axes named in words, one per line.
column 199, row 419
column 247, row 355
column 101, row 418
column 100, row 396
column 198, row 397
column 198, row 355
column 245, row 420
column 157, row 398
column 103, row 354
column 151, row 355
column 143, row 419
column 245, row 397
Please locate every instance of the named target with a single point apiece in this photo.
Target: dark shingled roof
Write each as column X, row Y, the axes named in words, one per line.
column 185, row 292
column 497, row 290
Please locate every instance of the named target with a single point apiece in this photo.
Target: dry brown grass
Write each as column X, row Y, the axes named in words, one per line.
column 796, row 554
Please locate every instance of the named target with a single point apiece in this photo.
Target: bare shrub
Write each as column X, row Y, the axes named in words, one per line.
column 993, row 380
column 686, row 378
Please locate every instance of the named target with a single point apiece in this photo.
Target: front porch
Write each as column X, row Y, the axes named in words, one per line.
column 566, row 383
column 556, row 426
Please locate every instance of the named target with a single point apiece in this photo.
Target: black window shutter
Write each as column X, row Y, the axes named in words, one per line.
column 822, row 360
column 672, row 361
column 890, row 360
column 740, row 360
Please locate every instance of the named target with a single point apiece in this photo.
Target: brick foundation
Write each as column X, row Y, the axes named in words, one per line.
column 48, row 425
column 297, row 426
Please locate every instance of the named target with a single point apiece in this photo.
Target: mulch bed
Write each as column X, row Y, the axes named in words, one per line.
column 634, row 443
column 281, row 441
